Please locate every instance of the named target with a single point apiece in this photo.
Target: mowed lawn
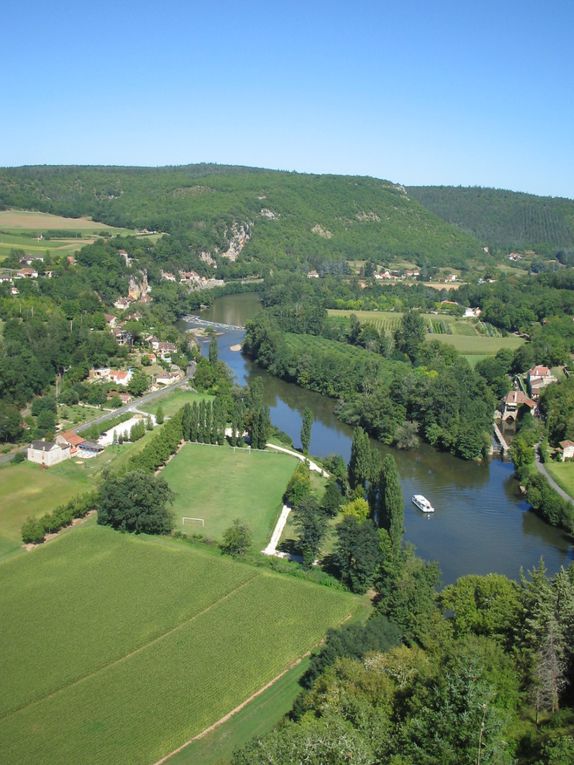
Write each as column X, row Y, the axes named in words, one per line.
column 173, row 402
column 119, row 649
column 219, row 484
column 563, row 474
column 28, row 490
column 463, row 334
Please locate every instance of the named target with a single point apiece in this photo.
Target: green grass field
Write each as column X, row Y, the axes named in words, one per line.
column 100, row 673
column 174, row 401
column 19, row 229
column 563, row 474
column 254, row 720
column 28, row 490
column 469, row 336
column 219, row 484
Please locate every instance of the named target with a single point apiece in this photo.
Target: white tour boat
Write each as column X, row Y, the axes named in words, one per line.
column 422, row 503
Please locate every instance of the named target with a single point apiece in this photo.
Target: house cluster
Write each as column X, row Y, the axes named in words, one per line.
column 69, row 444
column 537, row 378
column 192, row 279
column 116, row 376
column 388, row 275
column 162, row 349
column 515, row 257
column 65, row 446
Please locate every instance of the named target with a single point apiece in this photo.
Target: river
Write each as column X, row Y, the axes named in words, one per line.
column 481, row 523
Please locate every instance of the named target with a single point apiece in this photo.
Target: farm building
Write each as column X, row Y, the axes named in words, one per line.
column 538, row 378
column 513, row 403
column 48, row 453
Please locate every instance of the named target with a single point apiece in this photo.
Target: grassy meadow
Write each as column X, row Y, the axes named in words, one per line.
column 219, row 484
column 173, row 402
column 28, row 490
column 469, row 337
column 563, row 474
column 20, row 229
column 84, row 661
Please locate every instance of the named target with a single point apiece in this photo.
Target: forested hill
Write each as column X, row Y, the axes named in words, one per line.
column 506, row 219
column 275, row 217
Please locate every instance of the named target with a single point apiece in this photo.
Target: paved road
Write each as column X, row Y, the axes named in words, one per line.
column 132, row 406
column 543, row 471
column 4, row 458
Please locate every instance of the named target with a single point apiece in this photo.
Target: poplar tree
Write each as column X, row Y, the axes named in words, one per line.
column 186, row 422
column 360, row 464
column 194, row 422
column 391, row 503
column 306, row 427
column 213, row 356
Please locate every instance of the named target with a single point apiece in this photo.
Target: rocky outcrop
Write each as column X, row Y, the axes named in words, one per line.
column 265, row 212
column 238, row 237
column 366, row 217
column 139, row 288
column 320, row 231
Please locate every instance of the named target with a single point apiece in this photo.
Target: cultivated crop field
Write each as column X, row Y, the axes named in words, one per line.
column 219, row 484
column 20, row 229
column 469, row 336
column 119, row 649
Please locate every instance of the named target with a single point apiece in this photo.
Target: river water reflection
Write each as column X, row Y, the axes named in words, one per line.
column 481, row 523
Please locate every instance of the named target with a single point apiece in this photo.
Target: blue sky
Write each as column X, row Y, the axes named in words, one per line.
column 419, row 91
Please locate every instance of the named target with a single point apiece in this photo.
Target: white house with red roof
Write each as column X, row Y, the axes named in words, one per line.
column 538, row 378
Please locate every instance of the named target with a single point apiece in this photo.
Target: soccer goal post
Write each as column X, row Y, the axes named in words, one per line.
column 186, row 519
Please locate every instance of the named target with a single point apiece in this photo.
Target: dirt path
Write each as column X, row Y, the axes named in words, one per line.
column 301, row 457
column 135, row 651
column 271, row 548
column 229, row 715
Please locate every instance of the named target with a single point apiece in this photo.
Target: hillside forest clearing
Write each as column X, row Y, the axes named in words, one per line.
column 468, row 336
column 197, row 631
column 220, row 483
column 24, row 230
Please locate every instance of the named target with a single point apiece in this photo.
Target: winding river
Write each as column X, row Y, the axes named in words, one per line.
column 481, row 523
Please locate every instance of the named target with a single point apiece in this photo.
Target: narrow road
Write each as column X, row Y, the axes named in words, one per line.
column 271, row 548
column 312, row 465
column 131, row 407
column 543, row 471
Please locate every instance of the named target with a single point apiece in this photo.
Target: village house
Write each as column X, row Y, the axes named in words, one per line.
column 71, row 260
column 5, row 279
column 312, row 274
column 122, row 303
column 71, row 440
column 27, row 273
column 515, row 256
column 89, row 449
column 99, row 373
column 127, row 260
column 120, row 376
column 14, row 291
column 412, row 274
column 29, row 259
column 111, row 320
column 513, row 403
column 122, row 336
column 48, row 453
column 451, row 278
column 472, row 313
column 164, row 350
column 167, row 378
column 567, row 450
column 538, row 378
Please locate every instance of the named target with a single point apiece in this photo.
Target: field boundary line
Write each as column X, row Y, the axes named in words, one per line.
column 129, row 655
column 239, row 707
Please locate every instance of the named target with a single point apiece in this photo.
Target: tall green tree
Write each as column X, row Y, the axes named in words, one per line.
column 391, row 503
column 410, row 334
column 137, row 502
column 357, row 553
column 306, row 427
column 360, row 463
column 311, row 524
column 213, row 353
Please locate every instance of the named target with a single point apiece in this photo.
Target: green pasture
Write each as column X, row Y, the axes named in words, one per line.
column 469, row 336
column 137, row 644
column 254, row 720
column 220, row 483
column 173, row 402
column 478, row 345
column 29, row 490
column 563, row 474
